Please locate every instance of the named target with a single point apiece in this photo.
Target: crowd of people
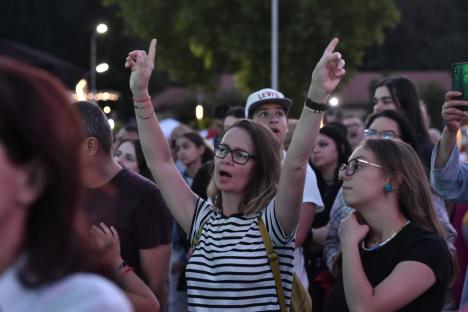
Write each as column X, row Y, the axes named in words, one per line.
column 366, row 214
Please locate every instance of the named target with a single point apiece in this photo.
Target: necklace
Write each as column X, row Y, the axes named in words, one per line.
column 381, row 244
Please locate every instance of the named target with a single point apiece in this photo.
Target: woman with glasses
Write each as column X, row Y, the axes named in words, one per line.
column 229, row 270
column 386, row 125
column 394, row 256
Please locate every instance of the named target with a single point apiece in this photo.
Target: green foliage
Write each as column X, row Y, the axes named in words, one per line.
column 200, row 39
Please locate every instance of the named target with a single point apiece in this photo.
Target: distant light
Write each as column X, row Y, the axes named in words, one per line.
column 199, row 112
column 334, row 101
column 111, row 123
column 104, row 96
column 101, row 28
column 103, row 67
column 80, row 90
column 107, row 109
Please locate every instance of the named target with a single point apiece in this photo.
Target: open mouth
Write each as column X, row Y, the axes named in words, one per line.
column 224, row 174
column 274, row 130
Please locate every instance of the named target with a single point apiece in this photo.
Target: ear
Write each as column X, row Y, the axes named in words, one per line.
column 92, row 146
column 30, row 183
column 395, row 179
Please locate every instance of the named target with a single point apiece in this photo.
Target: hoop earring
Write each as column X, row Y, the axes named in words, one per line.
column 388, row 188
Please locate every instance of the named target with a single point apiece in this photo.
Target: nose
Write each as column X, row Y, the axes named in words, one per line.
column 378, row 107
column 119, row 160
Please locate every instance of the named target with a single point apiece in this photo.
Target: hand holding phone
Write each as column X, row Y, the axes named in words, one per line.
column 460, row 82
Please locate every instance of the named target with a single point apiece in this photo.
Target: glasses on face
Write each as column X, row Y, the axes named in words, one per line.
column 354, row 164
column 386, row 134
column 238, row 156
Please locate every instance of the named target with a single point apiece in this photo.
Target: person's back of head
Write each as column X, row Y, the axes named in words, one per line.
column 95, row 125
column 41, row 134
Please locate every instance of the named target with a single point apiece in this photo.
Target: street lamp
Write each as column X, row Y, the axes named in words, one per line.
column 100, row 29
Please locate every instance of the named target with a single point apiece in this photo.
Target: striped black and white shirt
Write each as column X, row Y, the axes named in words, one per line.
column 229, row 269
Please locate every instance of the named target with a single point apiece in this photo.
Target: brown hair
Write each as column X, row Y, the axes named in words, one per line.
column 413, row 194
column 196, row 139
column 38, row 125
column 262, row 187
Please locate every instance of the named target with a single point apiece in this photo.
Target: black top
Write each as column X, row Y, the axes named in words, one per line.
column 202, row 179
column 411, row 244
column 135, row 207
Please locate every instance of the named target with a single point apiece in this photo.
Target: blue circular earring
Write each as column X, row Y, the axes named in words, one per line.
column 388, row 188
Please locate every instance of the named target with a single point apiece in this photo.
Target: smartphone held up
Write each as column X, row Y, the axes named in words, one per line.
column 460, row 82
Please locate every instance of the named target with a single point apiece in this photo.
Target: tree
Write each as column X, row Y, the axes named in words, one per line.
column 200, row 39
column 430, row 36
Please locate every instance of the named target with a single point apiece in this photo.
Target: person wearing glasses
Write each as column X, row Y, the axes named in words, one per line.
column 387, row 124
column 394, row 256
column 229, row 270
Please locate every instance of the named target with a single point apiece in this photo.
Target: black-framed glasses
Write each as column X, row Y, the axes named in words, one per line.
column 238, row 156
column 386, row 134
column 354, row 164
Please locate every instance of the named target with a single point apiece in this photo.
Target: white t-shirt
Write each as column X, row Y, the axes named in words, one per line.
column 311, row 192
column 311, row 195
column 79, row 292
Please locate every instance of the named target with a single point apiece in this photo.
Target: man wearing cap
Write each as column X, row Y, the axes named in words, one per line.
column 270, row 108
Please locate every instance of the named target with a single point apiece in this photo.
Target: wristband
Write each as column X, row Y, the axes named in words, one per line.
column 315, row 107
column 143, row 99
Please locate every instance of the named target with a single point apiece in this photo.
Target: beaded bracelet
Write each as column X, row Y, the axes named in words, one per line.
column 316, row 107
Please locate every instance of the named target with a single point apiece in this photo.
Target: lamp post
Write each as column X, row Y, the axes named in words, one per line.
column 274, row 44
column 100, row 29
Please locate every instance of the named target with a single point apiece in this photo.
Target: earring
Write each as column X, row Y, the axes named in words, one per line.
column 388, row 188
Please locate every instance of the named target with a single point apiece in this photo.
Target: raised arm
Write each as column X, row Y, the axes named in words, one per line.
column 452, row 117
column 325, row 77
column 178, row 197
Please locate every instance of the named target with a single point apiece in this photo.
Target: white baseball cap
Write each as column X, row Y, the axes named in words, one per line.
column 265, row 96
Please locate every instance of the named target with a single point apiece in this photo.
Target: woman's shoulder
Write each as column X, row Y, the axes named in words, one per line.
column 76, row 292
column 89, row 292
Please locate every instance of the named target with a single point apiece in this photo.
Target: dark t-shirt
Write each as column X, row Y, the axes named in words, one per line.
column 135, row 207
column 411, row 244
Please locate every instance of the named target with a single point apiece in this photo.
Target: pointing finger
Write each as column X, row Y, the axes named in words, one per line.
column 331, row 46
column 152, row 50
